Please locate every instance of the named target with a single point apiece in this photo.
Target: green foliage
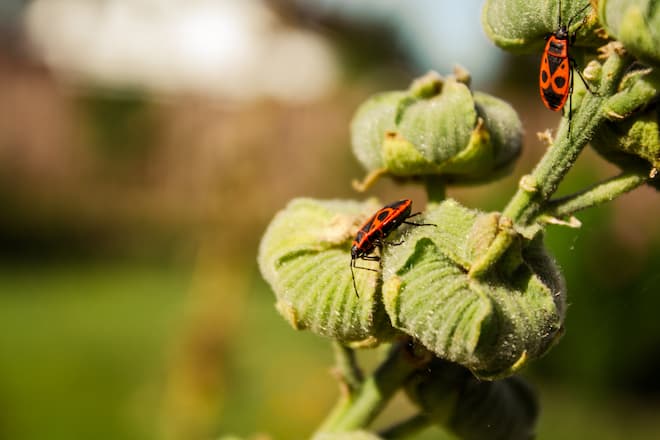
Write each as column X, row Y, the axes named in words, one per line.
column 82, row 348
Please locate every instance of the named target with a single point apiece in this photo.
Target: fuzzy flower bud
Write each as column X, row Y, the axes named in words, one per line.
column 473, row 409
column 305, row 257
column 631, row 134
column 520, row 26
column 437, row 127
column 636, row 24
column 492, row 325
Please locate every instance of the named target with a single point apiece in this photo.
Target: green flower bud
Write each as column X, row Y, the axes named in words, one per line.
column 438, row 127
column 630, row 136
column 450, row 396
column 637, row 89
column 503, row 127
column 636, row 23
column 502, row 410
column 436, row 389
column 491, row 325
column 632, row 140
column 305, row 257
column 520, row 26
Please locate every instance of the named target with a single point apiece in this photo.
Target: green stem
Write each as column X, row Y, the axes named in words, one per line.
column 350, row 378
column 500, row 244
column 347, row 367
column 561, row 156
column 598, row 194
column 435, row 190
column 407, row 428
column 360, row 409
column 535, row 190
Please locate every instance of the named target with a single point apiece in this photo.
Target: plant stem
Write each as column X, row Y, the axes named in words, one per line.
column 347, row 367
column 498, row 246
column 558, row 160
column 560, row 157
column 406, row 428
column 535, row 190
column 597, row 194
column 435, row 190
column 361, row 408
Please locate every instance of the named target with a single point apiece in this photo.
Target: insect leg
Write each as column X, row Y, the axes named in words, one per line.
column 584, row 20
column 416, row 224
column 419, row 224
column 355, row 266
column 570, row 99
column 353, row 276
column 574, row 67
column 366, row 258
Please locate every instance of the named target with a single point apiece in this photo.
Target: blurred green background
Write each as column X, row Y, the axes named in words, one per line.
column 145, row 146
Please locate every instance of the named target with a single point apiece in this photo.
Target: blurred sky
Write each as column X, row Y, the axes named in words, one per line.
column 241, row 49
column 437, row 33
column 228, row 48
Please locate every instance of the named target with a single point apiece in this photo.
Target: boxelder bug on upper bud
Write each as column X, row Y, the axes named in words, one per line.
column 556, row 75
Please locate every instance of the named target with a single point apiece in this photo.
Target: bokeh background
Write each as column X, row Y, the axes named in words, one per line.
column 145, row 146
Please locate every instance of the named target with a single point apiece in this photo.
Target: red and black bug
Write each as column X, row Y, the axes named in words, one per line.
column 376, row 229
column 556, row 76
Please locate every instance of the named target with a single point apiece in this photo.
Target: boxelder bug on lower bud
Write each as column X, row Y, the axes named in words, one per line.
column 373, row 232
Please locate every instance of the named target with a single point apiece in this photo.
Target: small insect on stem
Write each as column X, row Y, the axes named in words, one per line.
column 556, row 75
column 376, row 229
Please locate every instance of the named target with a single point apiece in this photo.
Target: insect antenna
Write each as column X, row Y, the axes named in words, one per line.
column 568, row 25
column 559, row 16
column 353, row 276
